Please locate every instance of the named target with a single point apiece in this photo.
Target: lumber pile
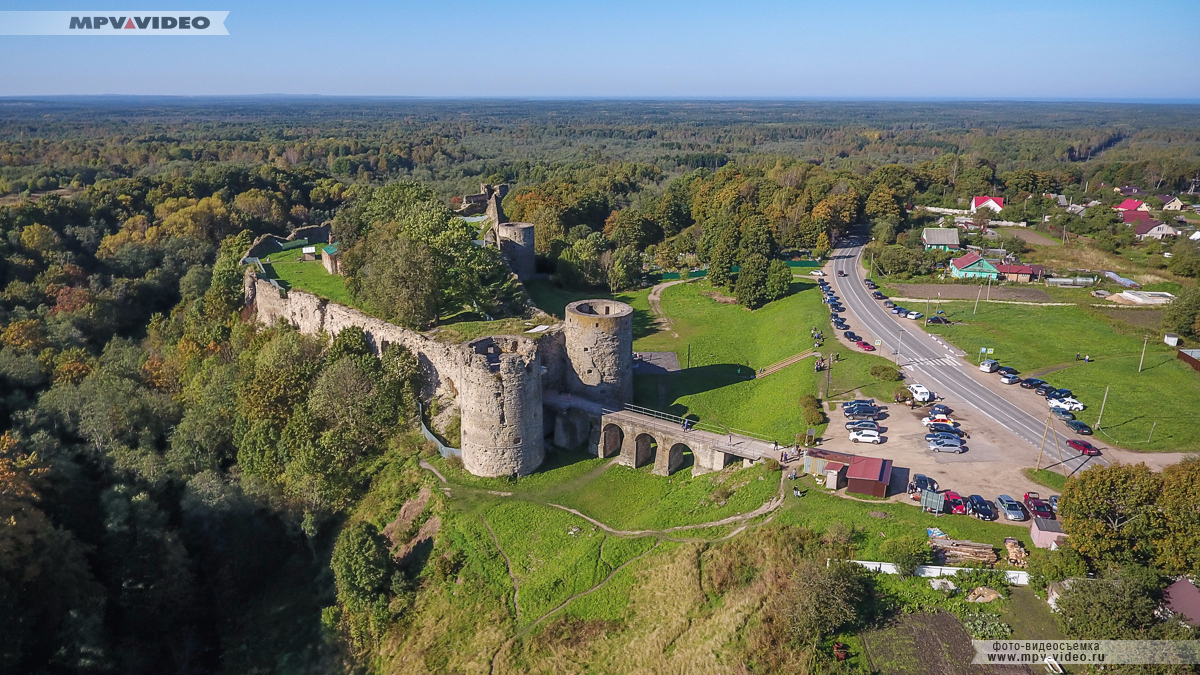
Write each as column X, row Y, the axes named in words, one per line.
column 1017, row 557
column 952, row 551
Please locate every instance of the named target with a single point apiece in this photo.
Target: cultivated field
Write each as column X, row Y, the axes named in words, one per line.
column 970, row 291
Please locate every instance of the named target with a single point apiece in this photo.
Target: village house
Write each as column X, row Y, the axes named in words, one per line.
column 994, row 203
column 1128, row 191
column 1016, row 272
column 1134, row 217
column 973, row 266
column 1153, row 229
column 1171, row 203
column 1132, row 205
column 940, row 238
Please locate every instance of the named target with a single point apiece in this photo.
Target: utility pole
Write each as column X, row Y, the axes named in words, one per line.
column 1045, row 433
column 1101, row 417
column 1151, row 431
column 977, row 300
column 1145, row 342
column 989, row 287
column 899, row 347
column 689, row 357
column 1060, row 459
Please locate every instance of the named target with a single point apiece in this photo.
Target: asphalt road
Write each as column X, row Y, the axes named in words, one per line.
column 938, row 366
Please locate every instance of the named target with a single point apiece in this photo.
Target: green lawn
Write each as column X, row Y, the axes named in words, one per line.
column 729, row 342
column 311, row 276
column 1046, row 478
column 1032, row 339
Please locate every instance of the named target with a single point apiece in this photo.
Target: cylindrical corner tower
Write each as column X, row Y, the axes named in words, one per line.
column 516, row 241
column 501, row 404
column 599, row 341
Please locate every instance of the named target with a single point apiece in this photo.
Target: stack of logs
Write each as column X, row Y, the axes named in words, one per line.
column 1017, row 557
column 952, row 551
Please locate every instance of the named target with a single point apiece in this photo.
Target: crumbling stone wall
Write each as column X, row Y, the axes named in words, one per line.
column 599, row 346
column 499, row 393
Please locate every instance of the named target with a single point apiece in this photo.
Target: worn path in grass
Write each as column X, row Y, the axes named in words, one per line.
column 507, row 563
column 655, row 300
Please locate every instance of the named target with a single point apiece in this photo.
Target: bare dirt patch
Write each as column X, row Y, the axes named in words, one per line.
column 1029, row 236
column 423, row 535
column 919, row 644
column 719, row 297
column 1142, row 318
column 412, row 508
column 965, row 292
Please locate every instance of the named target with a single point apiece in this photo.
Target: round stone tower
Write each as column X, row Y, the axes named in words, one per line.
column 599, row 342
column 501, row 403
column 516, row 243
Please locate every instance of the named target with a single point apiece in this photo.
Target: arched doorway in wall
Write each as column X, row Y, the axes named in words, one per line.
column 611, row 440
column 645, row 450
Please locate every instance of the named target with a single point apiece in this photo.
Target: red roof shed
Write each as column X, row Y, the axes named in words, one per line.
column 869, row 476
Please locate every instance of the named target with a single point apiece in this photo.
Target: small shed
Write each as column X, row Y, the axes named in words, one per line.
column 828, row 466
column 1183, row 598
column 309, row 252
column 869, row 476
column 1171, row 339
column 331, row 258
column 1047, row 533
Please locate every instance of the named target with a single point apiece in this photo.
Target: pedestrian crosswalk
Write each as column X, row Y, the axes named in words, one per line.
column 940, row 361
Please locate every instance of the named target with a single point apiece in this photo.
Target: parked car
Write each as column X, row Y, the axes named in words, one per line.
column 862, row 424
column 889, row 304
column 1044, row 389
column 922, row 482
column 899, row 310
column 915, row 315
column 1062, row 414
column 851, row 336
column 841, row 325
column 1083, row 447
column 947, row 445
column 1007, row 370
column 878, row 296
column 989, row 365
column 1036, row 506
column 1010, row 379
column 858, row 401
column 863, row 414
column 938, row 320
column 841, row 273
column 1011, row 508
column 837, row 307
column 866, row 436
column 1032, row 383
column 1068, row 403
column 1053, row 503
column 940, row 409
column 817, row 273
column 938, row 419
column 1079, row 427
column 941, row 435
column 1060, row 393
column 955, row 503
column 866, row 346
column 939, row 428
column 980, row 508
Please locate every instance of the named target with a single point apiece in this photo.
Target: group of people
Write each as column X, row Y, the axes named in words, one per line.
column 1087, row 358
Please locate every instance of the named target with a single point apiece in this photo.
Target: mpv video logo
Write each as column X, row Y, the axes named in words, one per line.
column 113, row 23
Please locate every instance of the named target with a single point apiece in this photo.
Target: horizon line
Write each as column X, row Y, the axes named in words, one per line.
column 630, row 99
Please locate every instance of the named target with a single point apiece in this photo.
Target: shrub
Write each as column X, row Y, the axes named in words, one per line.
column 907, row 553
column 454, row 462
column 810, row 407
column 986, row 626
column 772, row 465
column 886, row 373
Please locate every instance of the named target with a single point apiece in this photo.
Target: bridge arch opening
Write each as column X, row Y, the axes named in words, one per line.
column 679, row 456
column 645, row 450
column 611, row 440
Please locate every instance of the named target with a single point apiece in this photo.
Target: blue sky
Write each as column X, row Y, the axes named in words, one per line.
column 1049, row 49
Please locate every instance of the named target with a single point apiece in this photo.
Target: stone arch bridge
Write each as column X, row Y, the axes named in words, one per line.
column 641, row 436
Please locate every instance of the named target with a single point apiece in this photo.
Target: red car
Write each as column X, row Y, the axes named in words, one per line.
column 1037, row 507
column 1083, row 447
column 955, row 503
column 866, row 346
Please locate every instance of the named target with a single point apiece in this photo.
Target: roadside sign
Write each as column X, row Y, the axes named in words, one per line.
column 933, row 501
column 991, row 351
column 983, row 350
column 878, row 342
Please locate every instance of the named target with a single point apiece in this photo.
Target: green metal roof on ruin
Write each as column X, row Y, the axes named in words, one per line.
column 331, row 249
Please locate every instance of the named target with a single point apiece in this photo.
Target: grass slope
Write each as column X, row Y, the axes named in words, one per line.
column 1030, row 338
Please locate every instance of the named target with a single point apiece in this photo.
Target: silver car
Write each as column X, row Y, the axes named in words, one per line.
column 946, row 445
column 1010, row 507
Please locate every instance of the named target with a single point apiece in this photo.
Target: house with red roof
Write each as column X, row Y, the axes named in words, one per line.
column 973, row 266
column 869, row 476
column 994, row 203
column 1153, row 229
column 1015, row 272
column 1133, row 217
column 1132, row 205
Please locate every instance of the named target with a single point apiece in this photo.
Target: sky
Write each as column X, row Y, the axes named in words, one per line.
column 841, row 49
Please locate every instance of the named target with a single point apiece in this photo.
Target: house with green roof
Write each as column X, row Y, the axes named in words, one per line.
column 332, row 258
column 973, row 266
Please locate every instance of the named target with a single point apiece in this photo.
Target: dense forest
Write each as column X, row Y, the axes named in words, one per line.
column 164, row 465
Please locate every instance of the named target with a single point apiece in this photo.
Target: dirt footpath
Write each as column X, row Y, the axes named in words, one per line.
column 965, row 292
column 1028, row 236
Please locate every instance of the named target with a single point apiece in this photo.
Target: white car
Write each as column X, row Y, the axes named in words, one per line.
column 937, row 418
column 915, row 315
column 1010, row 379
column 865, row 436
column 817, row 273
column 1067, row 404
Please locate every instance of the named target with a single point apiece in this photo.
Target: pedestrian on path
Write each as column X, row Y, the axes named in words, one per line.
column 1076, row 356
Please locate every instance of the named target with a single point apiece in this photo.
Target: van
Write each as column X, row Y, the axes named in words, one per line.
column 989, row 365
column 920, row 394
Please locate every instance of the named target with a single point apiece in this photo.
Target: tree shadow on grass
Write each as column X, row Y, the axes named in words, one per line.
column 700, row 379
column 643, row 324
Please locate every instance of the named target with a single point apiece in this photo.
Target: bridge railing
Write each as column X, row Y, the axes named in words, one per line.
column 703, row 426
